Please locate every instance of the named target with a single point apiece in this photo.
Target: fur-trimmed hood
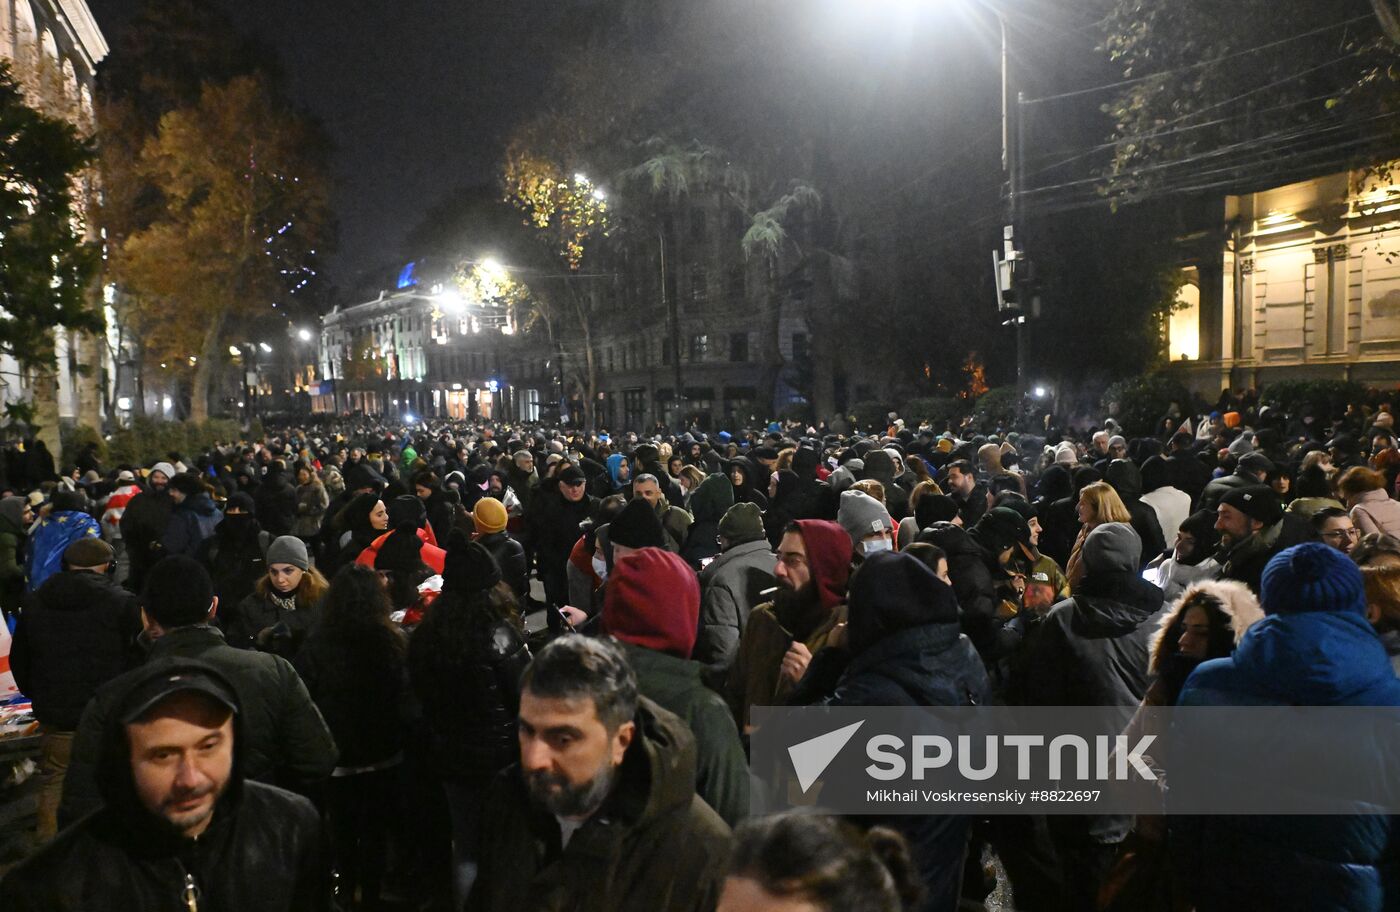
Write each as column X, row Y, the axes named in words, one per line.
column 1233, row 597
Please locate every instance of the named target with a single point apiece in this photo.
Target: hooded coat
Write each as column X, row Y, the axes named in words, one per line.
column 1125, row 478
column 971, row 567
column 879, row 466
column 285, row 740
column 654, row 844
column 906, row 649
column 753, row 678
column 191, row 523
column 748, row 491
column 708, row 504
column 1326, row 657
column 262, row 852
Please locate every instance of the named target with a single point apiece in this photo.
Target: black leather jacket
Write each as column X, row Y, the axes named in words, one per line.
column 465, row 668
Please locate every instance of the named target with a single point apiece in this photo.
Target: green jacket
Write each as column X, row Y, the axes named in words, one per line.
column 675, row 522
column 721, row 774
column 653, row 845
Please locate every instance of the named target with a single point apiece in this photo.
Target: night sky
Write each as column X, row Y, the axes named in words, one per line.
column 418, row 96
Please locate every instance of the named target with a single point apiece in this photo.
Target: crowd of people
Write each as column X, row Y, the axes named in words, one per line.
column 298, row 673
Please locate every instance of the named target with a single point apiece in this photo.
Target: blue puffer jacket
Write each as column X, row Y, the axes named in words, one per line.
column 1313, row 863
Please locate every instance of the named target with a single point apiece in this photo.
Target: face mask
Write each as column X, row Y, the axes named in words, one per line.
column 877, row 545
column 600, row 567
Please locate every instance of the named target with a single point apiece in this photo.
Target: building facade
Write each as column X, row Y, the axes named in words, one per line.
column 1300, row 282
column 53, row 48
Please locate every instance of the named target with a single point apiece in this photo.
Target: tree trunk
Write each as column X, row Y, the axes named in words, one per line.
column 89, row 381
column 204, row 370
column 772, row 349
column 1388, row 18
column 46, row 418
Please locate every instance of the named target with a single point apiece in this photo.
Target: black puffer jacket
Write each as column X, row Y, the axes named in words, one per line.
column 262, row 852
column 465, row 666
column 276, row 500
column 510, row 558
column 970, row 567
column 360, row 685
column 77, row 632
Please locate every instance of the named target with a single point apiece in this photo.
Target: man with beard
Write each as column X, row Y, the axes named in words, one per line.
column 143, row 523
column 1250, row 523
column 781, row 636
column 180, row 826
column 601, row 812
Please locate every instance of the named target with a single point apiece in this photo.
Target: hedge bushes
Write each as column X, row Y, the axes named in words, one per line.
column 871, row 414
column 1138, row 402
column 148, row 441
column 1322, row 398
column 937, row 410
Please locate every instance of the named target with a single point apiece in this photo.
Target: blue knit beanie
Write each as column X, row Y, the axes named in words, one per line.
column 1312, row 577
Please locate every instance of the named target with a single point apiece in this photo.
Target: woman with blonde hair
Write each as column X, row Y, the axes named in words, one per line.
column 1098, row 504
column 1372, row 510
column 284, row 605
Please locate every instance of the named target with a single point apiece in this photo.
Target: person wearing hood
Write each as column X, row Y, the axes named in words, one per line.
column 235, row 555
column 180, row 826
column 363, row 519
column 77, row 632
column 617, row 479
column 879, row 466
column 708, row 503
column 52, row 535
column 732, row 585
column 283, row 606
column 16, row 516
column 745, row 478
column 276, row 500
column 652, row 608
column 193, row 519
column 1092, row 650
column 286, row 741
column 814, row 563
column 609, row 819
column 1192, row 558
column 902, row 646
column 1314, row 647
column 1123, row 476
column 810, row 499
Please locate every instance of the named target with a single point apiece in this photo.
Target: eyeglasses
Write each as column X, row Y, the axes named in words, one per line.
column 1338, row 534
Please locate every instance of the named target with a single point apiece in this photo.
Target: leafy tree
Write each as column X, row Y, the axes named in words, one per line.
column 241, row 179
column 1308, row 86
column 46, row 266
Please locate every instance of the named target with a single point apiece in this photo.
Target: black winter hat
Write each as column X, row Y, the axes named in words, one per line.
column 933, row 508
column 1001, row 528
column 239, row 500
column 1258, row 502
column 407, row 510
column 178, row 592
column 893, row 591
column 400, row 552
column 637, row 527
column 468, row 566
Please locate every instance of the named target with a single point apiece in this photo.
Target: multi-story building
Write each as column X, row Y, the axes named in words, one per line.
column 682, row 327
column 53, row 48
column 1300, row 281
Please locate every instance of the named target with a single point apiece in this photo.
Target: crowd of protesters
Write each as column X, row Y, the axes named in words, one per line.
column 296, row 673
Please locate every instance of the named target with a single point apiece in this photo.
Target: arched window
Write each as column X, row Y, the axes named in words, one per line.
column 49, row 45
column 25, row 30
column 70, row 81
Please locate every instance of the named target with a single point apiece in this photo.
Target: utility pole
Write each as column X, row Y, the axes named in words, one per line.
column 1011, row 267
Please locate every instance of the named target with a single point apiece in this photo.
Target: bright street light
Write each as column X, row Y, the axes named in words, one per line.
column 234, row 350
column 599, row 195
column 1039, row 392
column 267, row 349
column 304, row 335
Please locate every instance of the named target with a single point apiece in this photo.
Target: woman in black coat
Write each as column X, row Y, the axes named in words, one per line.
column 354, row 665
column 465, row 662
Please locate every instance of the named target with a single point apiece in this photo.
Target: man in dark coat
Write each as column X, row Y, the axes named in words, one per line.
column 286, row 740
column 1252, row 530
column 143, row 524
column 607, row 821
column 559, row 505
column 733, row 583
column 1185, row 468
column 186, row 832
column 653, row 607
column 77, row 632
column 1123, row 476
column 1251, row 469
column 903, row 647
column 276, row 501
column 977, row 561
column 1091, row 650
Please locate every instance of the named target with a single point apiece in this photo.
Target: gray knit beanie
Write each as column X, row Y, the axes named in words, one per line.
column 861, row 514
column 288, row 549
